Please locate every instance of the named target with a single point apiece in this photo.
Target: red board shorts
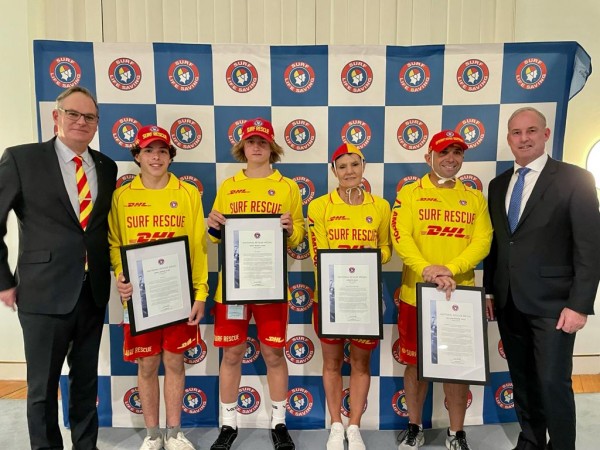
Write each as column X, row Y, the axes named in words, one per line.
column 407, row 330
column 271, row 322
column 176, row 338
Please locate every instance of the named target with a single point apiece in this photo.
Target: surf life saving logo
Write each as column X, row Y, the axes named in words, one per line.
column 414, row 76
column 248, row 400
column 365, row 185
column 241, row 76
column 406, row 180
column 299, row 349
column 501, row 349
column 504, row 396
column 132, row 401
column 300, row 135
column 302, row 296
column 234, row 132
column 125, row 179
column 345, row 409
column 186, row 133
column 472, row 181
column 252, row 351
column 307, row 189
column 125, row 130
column 300, row 252
column 357, row 76
column 531, row 73
column 356, row 132
column 194, row 182
column 472, row 75
column 194, row 401
column 396, row 351
column 299, row 77
column 472, row 131
column 399, row 403
column 65, row 72
column 183, row 75
column 197, row 354
column 412, row 134
column 124, row 74
column 300, row 402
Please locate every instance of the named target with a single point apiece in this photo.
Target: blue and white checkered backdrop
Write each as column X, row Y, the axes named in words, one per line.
column 386, row 100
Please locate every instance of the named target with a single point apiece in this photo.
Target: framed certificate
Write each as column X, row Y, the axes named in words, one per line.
column 452, row 335
column 160, row 274
column 349, row 293
column 253, row 259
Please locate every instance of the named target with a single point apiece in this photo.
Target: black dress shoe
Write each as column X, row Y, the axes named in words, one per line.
column 281, row 438
column 225, row 439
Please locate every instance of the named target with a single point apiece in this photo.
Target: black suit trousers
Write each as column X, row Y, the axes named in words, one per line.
column 540, row 360
column 49, row 339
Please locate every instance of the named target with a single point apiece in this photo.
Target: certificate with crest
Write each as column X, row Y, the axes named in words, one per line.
column 349, row 293
column 452, row 335
column 254, row 259
column 161, row 277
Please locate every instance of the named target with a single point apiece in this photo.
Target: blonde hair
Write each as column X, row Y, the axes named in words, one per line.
column 238, row 152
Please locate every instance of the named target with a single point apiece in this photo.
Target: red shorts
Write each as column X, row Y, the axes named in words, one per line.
column 407, row 330
column 271, row 322
column 365, row 344
column 175, row 338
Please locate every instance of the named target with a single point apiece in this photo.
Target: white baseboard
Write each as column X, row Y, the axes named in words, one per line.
column 586, row 365
column 13, row 371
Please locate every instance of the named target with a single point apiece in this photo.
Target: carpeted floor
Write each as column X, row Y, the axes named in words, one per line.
column 13, row 433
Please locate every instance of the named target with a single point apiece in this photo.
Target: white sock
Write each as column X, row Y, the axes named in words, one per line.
column 278, row 413
column 229, row 414
column 451, row 433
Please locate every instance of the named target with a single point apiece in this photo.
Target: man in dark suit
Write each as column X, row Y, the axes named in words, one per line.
column 543, row 272
column 62, row 280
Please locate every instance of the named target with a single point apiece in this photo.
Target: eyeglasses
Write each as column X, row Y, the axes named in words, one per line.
column 73, row 115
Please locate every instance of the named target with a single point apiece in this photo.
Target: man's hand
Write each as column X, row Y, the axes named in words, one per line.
column 430, row 273
column 287, row 223
column 9, row 297
column 197, row 313
column 215, row 219
column 571, row 321
column 446, row 284
column 125, row 289
column 489, row 307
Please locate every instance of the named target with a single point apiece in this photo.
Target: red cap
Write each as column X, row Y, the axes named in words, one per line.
column 444, row 139
column 345, row 149
column 258, row 127
column 150, row 133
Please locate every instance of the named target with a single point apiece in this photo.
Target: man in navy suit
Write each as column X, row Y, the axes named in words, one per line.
column 542, row 273
column 62, row 280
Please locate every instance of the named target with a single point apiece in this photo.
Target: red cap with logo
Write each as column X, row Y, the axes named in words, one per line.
column 150, row 133
column 345, row 149
column 258, row 127
column 444, row 139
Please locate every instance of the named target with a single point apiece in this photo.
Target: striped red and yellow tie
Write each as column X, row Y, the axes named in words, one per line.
column 83, row 191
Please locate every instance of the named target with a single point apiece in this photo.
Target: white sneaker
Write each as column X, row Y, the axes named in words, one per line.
column 179, row 443
column 355, row 441
column 410, row 438
column 336, row 437
column 152, row 444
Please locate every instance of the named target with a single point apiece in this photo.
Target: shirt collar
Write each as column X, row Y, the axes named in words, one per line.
column 67, row 155
column 536, row 165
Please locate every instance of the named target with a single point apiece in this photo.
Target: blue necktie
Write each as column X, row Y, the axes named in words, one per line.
column 514, row 206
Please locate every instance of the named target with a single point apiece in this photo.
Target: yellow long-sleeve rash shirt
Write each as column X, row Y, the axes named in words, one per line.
column 274, row 194
column 142, row 215
column 438, row 226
